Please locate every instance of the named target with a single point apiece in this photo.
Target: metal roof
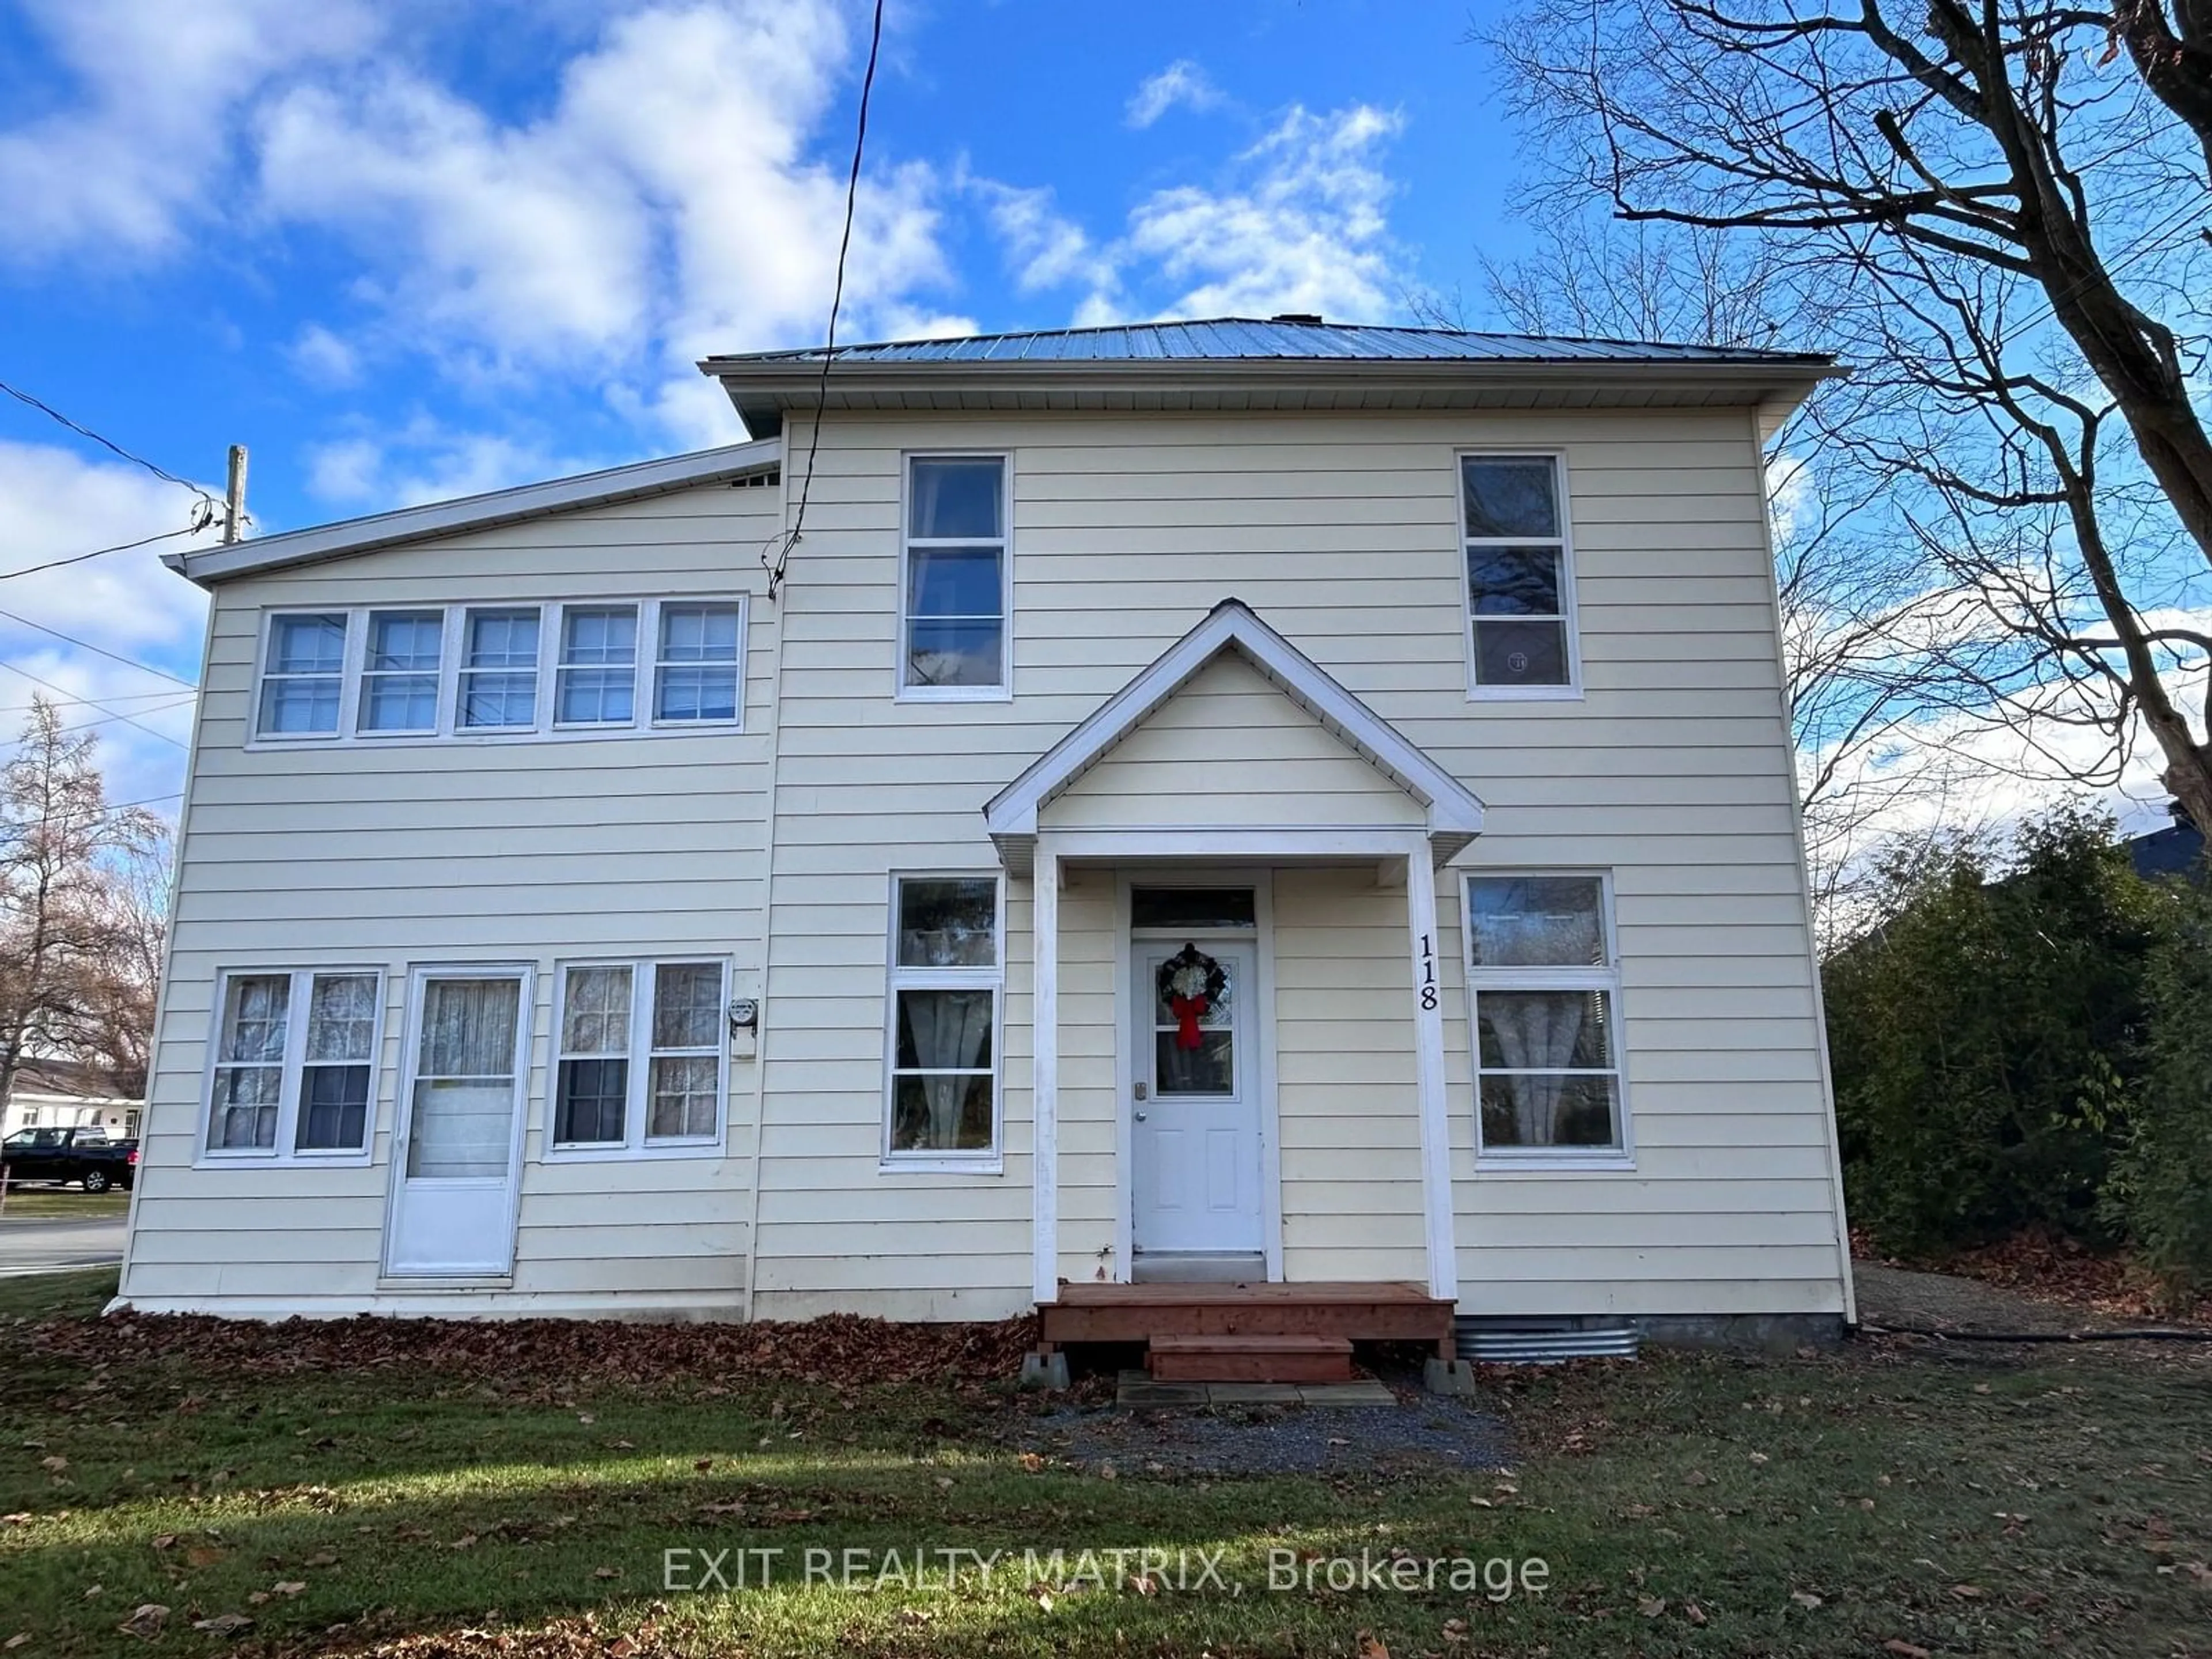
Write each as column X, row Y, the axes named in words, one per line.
column 1229, row 339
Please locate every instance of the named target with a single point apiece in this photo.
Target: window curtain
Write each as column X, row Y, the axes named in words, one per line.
column 464, row 1101
column 1537, row 1033
column 950, row 1030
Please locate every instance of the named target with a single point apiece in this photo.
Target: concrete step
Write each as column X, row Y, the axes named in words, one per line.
column 1249, row 1359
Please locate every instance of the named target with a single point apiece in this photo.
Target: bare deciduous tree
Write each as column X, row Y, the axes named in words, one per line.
column 1996, row 212
column 1871, row 646
column 79, row 910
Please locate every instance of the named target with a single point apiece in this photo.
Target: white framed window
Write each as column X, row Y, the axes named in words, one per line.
column 399, row 671
column 292, row 1065
column 1521, row 633
column 469, row 1065
column 642, row 1060
column 697, row 662
column 498, row 670
column 947, row 980
column 303, row 669
column 956, row 580
column 1544, row 979
column 595, row 684
column 501, row 673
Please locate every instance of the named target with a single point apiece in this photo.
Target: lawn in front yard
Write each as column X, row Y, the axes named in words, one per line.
column 63, row 1203
column 346, row 1494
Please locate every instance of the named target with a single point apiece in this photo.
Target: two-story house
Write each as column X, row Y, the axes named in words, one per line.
column 1255, row 803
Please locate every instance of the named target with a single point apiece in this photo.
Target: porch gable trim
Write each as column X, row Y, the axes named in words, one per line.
column 1455, row 816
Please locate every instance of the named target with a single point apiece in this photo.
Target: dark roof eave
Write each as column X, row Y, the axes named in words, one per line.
column 761, row 390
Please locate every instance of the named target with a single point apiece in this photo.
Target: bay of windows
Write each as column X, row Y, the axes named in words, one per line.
column 501, row 669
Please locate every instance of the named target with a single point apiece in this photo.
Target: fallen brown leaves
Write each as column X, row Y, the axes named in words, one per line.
column 554, row 1353
column 2043, row 1263
column 580, row 1637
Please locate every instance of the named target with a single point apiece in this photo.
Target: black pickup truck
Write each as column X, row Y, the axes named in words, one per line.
column 66, row 1155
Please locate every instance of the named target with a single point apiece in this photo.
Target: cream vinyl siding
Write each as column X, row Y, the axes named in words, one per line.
column 1344, row 1079
column 1342, row 531
column 520, row 851
column 1230, row 749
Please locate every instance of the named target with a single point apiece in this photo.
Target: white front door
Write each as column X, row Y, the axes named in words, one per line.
column 457, row 1150
column 1194, row 1122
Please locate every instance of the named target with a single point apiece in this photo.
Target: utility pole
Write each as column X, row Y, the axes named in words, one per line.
column 234, row 524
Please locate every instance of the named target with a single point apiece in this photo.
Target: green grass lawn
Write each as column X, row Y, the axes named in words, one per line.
column 1686, row 1505
column 52, row 1203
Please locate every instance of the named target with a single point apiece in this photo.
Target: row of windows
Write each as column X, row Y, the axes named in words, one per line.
column 640, row 1065
column 490, row 670
column 641, row 1061
column 508, row 670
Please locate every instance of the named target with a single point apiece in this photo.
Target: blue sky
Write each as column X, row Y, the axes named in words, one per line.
column 405, row 250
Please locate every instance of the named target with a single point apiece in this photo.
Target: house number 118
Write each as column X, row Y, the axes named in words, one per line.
column 1428, row 975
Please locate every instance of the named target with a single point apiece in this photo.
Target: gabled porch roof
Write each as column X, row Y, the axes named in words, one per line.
column 1454, row 814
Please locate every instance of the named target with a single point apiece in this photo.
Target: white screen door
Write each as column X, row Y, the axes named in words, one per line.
column 1194, row 1142
column 453, row 1205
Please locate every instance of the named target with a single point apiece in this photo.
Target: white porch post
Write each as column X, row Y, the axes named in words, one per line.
column 1044, row 1087
column 1429, row 1072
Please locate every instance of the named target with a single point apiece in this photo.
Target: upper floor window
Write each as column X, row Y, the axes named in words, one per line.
column 502, row 670
column 954, row 578
column 303, row 675
column 399, row 674
column 1520, row 579
column 1545, row 981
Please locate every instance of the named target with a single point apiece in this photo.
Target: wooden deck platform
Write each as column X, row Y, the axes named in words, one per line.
column 1353, row 1311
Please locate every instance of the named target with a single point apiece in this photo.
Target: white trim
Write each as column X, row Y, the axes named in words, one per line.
column 896, row 978
column 1454, row 815
column 410, row 524
column 1044, row 1075
column 1429, row 1079
column 1004, row 690
column 543, row 726
column 1572, row 690
column 637, row 1145
column 1605, row 978
column 299, row 994
column 525, row 1025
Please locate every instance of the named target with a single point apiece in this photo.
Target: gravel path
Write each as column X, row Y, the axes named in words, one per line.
column 1273, row 1440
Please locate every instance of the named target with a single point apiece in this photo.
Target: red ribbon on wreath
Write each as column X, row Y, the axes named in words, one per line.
column 1190, row 983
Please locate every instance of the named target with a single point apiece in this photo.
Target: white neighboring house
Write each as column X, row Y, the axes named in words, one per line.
column 59, row 1094
column 1262, row 801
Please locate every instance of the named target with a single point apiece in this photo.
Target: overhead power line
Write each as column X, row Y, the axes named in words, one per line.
column 836, row 299
column 202, row 518
column 109, row 444
column 100, row 650
column 127, row 719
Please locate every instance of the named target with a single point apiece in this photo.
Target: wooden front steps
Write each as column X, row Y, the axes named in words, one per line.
column 1249, row 1359
column 1249, row 1332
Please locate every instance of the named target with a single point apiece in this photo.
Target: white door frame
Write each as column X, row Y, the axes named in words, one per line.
column 1054, row 848
column 403, row 1117
column 1261, row 880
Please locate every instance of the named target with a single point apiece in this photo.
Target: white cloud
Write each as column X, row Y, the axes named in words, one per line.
column 130, row 166
column 666, row 205
column 321, row 356
column 1180, row 83
column 1298, row 222
column 424, row 460
column 124, row 602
